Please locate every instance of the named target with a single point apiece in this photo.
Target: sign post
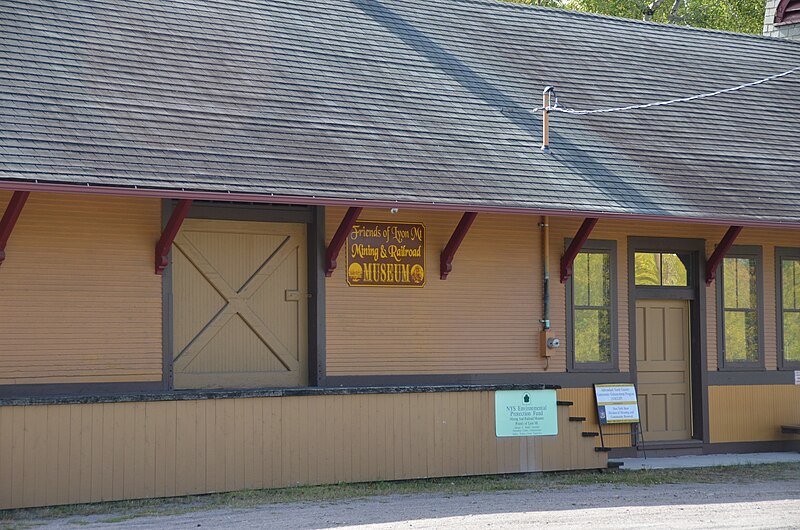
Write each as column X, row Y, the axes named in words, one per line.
column 617, row 403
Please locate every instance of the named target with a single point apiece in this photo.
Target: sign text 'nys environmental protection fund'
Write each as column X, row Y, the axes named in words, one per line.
column 386, row 254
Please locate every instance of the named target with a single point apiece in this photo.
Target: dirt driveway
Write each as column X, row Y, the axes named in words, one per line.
column 754, row 505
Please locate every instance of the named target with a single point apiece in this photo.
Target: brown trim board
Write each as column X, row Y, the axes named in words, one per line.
column 142, row 396
column 268, row 198
column 696, row 295
column 750, row 378
column 314, row 218
column 562, row 379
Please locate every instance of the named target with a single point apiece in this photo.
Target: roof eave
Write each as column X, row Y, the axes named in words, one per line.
column 159, row 193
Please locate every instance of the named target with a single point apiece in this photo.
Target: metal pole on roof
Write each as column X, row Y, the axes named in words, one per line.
column 547, row 100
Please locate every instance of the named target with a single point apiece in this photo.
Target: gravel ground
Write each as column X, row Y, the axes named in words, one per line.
column 756, row 505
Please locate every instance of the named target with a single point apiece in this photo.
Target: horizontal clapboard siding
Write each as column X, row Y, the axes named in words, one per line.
column 482, row 319
column 79, row 301
column 58, row 454
column 485, row 317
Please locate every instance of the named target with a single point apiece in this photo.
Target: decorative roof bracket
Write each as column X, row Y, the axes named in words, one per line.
column 332, row 253
column 170, row 231
column 449, row 252
column 719, row 253
column 9, row 220
column 575, row 247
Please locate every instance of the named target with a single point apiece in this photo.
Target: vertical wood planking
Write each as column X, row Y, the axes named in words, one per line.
column 52, row 454
column 752, row 413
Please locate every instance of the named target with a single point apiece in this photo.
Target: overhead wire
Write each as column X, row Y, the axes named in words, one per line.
column 557, row 107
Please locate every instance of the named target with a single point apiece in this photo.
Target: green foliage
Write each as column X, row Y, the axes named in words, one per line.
column 742, row 16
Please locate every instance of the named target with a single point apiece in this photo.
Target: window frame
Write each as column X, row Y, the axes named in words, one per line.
column 755, row 253
column 597, row 246
column 780, row 254
column 690, row 280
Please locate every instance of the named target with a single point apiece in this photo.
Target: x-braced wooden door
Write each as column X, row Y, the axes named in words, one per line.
column 240, row 305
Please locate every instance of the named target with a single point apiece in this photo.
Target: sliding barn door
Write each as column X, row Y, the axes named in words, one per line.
column 240, row 305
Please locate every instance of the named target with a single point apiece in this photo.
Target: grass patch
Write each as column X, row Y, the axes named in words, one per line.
column 125, row 510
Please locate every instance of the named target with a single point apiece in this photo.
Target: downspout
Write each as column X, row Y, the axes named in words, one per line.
column 545, row 321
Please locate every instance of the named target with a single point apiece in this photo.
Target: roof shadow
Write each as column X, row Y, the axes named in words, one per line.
column 580, row 162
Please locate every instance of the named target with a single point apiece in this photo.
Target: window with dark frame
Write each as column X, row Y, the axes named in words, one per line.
column 740, row 315
column 592, row 336
column 788, row 270
column 661, row 269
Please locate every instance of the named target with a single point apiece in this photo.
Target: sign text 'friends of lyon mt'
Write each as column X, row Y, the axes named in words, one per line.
column 386, row 254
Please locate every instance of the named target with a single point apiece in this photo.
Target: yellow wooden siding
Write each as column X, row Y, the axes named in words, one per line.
column 483, row 319
column 79, row 300
column 59, row 454
column 752, row 413
column 584, row 406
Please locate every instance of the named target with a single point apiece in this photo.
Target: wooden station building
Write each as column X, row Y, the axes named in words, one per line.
column 258, row 244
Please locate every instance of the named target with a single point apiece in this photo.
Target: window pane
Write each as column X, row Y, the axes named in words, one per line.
column 673, row 271
column 791, row 336
column 592, row 336
column 739, row 288
column 741, row 336
column 647, row 268
column 580, row 279
column 790, row 278
column 599, row 280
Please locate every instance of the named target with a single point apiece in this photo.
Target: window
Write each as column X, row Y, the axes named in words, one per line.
column 788, row 269
column 787, row 12
column 591, row 292
column 661, row 269
column 740, row 303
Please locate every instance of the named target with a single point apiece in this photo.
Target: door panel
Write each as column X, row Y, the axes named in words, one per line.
column 240, row 305
column 662, row 363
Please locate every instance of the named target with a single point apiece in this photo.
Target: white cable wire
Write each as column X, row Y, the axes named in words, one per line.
column 558, row 108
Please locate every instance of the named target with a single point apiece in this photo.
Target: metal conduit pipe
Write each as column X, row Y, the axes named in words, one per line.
column 545, row 321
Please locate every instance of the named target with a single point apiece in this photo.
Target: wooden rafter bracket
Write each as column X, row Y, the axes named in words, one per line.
column 170, row 231
column 332, row 252
column 575, row 247
column 719, row 253
column 449, row 252
column 10, row 217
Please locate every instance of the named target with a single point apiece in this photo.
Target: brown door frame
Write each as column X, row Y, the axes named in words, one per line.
column 695, row 294
column 314, row 218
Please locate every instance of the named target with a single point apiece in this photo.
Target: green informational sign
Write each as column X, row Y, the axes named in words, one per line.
column 525, row 413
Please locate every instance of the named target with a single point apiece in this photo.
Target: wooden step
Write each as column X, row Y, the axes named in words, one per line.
column 576, row 418
column 602, row 449
column 586, row 434
column 564, row 403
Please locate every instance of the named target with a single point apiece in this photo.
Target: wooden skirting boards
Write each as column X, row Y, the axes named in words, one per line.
column 59, row 454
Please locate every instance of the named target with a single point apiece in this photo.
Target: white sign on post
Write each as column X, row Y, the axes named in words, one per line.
column 616, row 403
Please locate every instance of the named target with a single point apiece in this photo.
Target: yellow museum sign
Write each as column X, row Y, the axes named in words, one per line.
column 386, row 254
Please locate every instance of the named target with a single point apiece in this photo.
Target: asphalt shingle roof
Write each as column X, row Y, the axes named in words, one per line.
column 425, row 101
